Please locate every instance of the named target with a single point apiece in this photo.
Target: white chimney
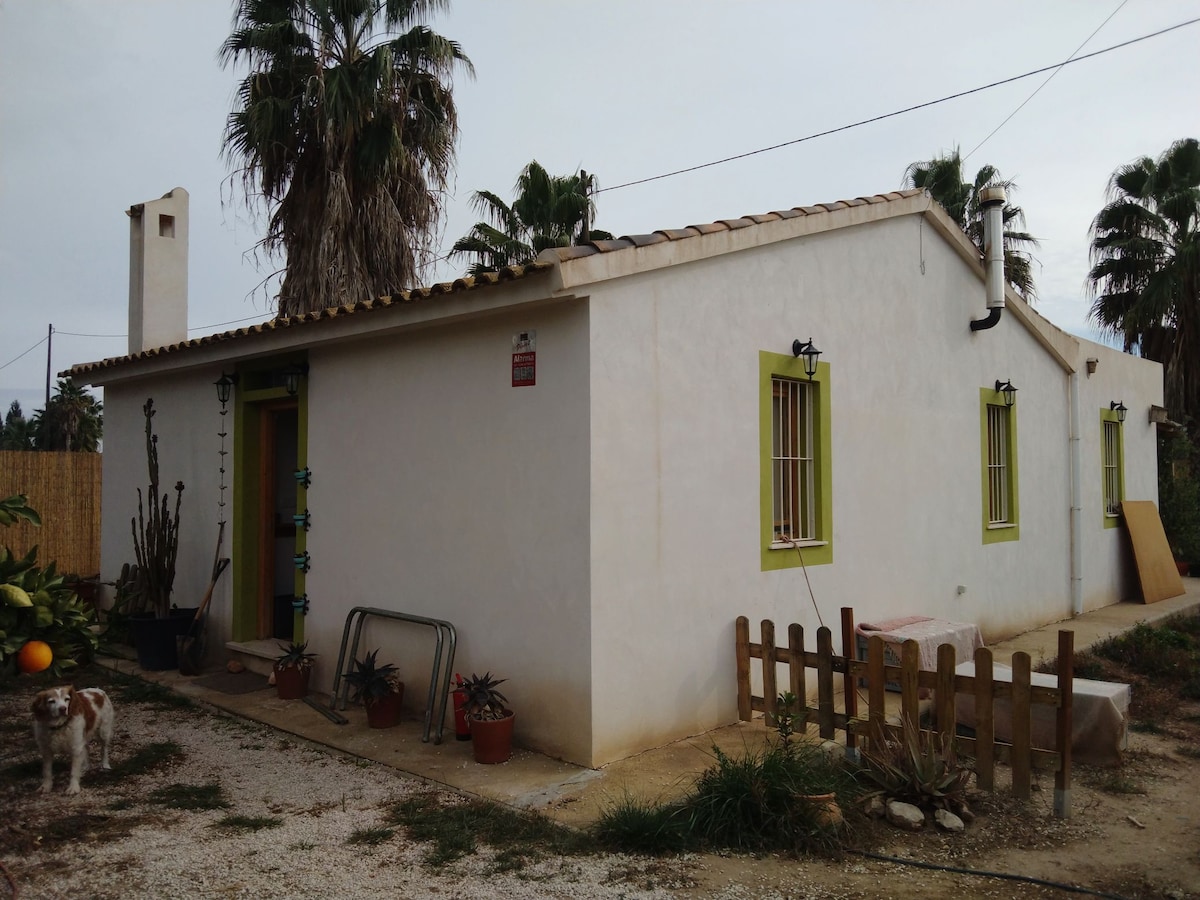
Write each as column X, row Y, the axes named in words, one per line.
column 158, row 271
column 992, row 199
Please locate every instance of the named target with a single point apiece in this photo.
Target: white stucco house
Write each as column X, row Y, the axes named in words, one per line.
column 592, row 464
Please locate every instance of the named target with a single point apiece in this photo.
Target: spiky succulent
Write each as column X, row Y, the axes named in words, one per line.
column 483, row 701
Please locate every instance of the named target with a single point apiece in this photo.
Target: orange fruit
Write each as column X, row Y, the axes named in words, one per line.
column 34, row 657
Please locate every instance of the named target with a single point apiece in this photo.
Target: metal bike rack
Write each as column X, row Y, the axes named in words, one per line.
column 439, row 679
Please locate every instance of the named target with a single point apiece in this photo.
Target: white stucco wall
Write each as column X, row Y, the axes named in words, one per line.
column 593, row 537
column 187, row 420
column 439, row 489
column 1109, row 573
column 675, row 463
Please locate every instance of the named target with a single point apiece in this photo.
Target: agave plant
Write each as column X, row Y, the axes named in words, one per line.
column 370, row 680
column 918, row 767
column 295, row 656
column 483, row 701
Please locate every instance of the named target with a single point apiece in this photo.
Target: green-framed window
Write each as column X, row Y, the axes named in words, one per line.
column 1112, row 465
column 796, row 474
column 998, row 443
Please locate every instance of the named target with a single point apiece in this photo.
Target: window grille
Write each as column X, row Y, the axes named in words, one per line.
column 1112, row 468
column 793, row 465
column 997, row 434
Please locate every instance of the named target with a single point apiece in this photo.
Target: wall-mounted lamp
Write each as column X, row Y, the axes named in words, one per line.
column 291, row 377
column 225, row 387
column 810, row 354
column 1010, row 392
column 1092, row 364
column 1119, row 408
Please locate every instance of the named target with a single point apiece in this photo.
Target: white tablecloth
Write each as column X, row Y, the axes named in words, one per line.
column 1099, row 714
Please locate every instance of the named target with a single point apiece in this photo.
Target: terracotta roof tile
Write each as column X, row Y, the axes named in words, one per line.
column 511, row 273
column 645, row 240
column 459, row 285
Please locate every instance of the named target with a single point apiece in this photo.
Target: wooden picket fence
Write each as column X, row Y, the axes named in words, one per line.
column 64, row 488
column 1019, row 754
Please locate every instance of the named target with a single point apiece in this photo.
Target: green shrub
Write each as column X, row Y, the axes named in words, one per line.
column 1164, row 651
column 758, row 801
column 36, row 604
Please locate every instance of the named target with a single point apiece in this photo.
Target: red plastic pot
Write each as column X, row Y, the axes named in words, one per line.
column 492, row 739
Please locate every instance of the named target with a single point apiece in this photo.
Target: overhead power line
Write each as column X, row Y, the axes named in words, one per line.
column 900, row 112
column 193, row 328
column 30, row 350
column 1049, row 77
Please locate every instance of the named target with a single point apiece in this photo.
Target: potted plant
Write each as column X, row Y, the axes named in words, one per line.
column 293, row 667
column 490, row 719
column 379, row 688
column 155, row 623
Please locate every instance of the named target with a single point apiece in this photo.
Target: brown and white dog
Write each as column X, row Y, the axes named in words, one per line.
column 64, row 720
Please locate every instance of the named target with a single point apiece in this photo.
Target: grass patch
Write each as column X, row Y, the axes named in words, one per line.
column 149, row 758
column 1116, row 783
column 190, row 796
column 1169, row 650
column 147, row 693
column 642, row 826
column 371, row 836
column 247, row 823
column 456, row 830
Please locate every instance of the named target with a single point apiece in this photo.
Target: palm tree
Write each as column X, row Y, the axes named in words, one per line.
column 1145, row 275
column 347, row 136
column 72, row 420
column 549, row 211
column 943, row 178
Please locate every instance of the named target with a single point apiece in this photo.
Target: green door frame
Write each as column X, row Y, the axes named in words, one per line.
column 260, row 386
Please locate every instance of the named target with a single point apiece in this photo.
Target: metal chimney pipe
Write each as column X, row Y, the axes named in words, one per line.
column 992, row 199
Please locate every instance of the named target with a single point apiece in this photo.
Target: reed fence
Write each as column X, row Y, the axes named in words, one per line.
column 944, row 684
column 64, row 488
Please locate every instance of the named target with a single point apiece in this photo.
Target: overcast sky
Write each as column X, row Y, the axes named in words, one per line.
column 108, row 103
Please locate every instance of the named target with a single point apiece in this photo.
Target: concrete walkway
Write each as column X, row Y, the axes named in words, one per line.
column 568, row 793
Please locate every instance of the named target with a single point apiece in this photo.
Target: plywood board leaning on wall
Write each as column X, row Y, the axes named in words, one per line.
column 1156, row 567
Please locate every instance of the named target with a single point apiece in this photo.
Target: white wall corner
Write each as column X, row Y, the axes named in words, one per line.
column 158, row 271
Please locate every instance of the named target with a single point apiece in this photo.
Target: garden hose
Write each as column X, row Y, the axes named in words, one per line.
column 1007, row 876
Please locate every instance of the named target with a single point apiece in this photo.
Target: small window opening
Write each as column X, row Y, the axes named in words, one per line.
column 166, row 226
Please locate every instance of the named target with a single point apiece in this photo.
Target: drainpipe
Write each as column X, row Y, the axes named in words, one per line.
column 1076, row 453
column 992, row 199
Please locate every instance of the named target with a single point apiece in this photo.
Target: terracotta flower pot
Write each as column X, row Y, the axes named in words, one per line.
column 292, row 682
column 492, row 739
column 826, row 812
column 384, row 712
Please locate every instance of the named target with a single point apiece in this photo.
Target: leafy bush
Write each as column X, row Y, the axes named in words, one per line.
column 1179, row 496
column 36, row 604
column 1170, row 650
column 760, row 800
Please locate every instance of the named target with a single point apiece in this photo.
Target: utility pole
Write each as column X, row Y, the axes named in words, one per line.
column 586, row 234
column 49, row 344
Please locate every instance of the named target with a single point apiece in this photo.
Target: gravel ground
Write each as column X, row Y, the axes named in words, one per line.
column 1134, row 834
column 112, row 841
